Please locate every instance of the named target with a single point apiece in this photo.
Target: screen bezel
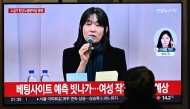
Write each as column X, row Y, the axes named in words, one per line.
column 182, row 46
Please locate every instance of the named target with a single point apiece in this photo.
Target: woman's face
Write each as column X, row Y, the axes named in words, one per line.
column 165, row 40
column 92, row 28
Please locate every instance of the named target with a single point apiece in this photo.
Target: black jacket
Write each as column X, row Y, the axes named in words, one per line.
column 113, row 59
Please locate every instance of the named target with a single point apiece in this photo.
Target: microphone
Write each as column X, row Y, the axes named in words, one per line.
column 90, row 39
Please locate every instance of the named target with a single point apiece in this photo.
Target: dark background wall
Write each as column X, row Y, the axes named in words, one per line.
column 185, row 75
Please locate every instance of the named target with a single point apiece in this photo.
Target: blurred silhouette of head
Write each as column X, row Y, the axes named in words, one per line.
column 139, row 82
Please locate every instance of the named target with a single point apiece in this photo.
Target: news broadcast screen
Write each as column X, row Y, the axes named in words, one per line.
column 79, row 53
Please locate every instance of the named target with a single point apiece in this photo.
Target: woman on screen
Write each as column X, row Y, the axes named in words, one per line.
column 165, row 40
column 94, row 22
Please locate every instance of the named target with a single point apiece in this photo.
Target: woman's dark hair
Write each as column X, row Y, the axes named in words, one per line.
column 159, row 45
column 102, row 20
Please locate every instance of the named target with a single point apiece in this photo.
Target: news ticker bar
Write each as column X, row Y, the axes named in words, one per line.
column 38, row 89
column 82, row 100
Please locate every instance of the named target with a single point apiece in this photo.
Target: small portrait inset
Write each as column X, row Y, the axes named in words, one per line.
column 165, row 41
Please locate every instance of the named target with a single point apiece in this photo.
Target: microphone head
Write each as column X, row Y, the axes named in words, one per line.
column 89, row 38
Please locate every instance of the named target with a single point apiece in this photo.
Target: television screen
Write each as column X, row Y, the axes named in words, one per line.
column 78, row 53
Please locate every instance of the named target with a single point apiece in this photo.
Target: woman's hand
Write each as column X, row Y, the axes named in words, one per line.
column 172, row 44
column 83, row 52
column 84, row 56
